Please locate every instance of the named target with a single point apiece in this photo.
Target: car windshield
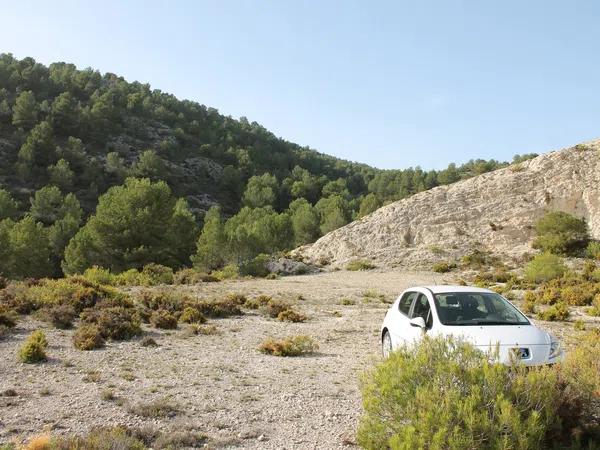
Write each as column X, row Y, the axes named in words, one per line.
column 476, row 308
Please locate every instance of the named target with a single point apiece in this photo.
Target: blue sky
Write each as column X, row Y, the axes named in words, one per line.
column 392, row 84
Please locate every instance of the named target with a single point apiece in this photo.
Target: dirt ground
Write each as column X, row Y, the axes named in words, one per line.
column 221, row 384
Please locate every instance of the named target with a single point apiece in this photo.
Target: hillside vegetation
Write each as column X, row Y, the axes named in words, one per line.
column 68, row 136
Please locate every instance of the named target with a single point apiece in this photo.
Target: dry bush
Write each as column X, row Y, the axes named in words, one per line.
column 275, row 307
column 163, row 319
column 192, row 276
column 290, row 346
column 556, row 312
column 147, row 341
column 226, row 307
column 161, row 407
column 257, row 302
column 16, row 297
column 203, row 329
column 60, row 316
column 88, row 337
column 114, row 322
column 100, row 439
column 191, row 315
column 180, row 439
column 8, row 318
column 443, row 267
column 289, row 315
column 360, row 264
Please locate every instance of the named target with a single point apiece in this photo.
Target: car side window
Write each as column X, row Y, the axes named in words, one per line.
column 422, row 309
column 406, row 302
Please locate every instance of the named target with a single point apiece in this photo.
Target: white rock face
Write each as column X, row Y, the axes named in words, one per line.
column 494, row 211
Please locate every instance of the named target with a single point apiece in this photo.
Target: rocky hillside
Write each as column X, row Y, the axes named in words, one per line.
column 494, row 212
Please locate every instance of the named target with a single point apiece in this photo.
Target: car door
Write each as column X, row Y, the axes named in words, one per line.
column 400, row 331
column 420, row 308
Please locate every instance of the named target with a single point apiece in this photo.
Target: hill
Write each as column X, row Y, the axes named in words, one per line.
column 493, row 212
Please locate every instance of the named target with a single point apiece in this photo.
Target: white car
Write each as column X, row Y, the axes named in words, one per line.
column 480, row 316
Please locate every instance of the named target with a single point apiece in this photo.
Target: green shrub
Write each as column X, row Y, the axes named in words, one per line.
column 191, row 315
column 579, row 325
column 445, row 394
column 290, row 346
column 99, row 275
column 88, row 337
column 478, row 259
column 114, row 322
column 556, row 312
column 544, row 267
column 529, row 300
column 443, row 267
column 157, row 274
column 594, row 310
column 579, row 295
column 33, row 349
column 256, row 267
column 8, row 318
column 360, row 264
column 228, row 272
column 132, row 277
column 561, row 233
column 163, row 319
column 593, row 250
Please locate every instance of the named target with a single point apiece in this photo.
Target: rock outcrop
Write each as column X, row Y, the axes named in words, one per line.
column 495, row 212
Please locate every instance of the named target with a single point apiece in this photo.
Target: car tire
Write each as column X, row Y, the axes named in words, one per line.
column 386, row 344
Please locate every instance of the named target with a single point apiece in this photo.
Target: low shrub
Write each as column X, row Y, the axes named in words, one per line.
column 594, row 310
column 60, row 316
column 579, row 295
column 443, row 267
column 132, row 277
column 290, row 346
column 180, row 439
column 203, row 329
column 163, row 319
column 16, row 297
column 360, row 264
column 228, row 272
column 219, row 308
column 554, row 313
column 191, row 315
column 258, row 302
column 192, row 276
column 148, row 341
column 33, row 349
column 593, row 250
column 484, row 404
column 88, row 337
column 4, row 331
column 99, row 275
column 561, row 233
column 8, row 318
column 161, row 407
column 173, row 302
column 544, row 267
column 157, row 274
column 579, row 325
column 275, row 307
column 114, row 322
column 289, row 315
column 478, row 259
column 256, row 267
column 99, row 439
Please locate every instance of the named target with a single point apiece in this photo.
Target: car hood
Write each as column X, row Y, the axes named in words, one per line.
column 503, row 335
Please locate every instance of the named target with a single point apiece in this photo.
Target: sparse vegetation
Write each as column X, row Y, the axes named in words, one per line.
column 114, row 322
column 558, row 311
column 161, row 407
column 360, row 264
column 191, row 315
column 163, row 319
column 290, row 346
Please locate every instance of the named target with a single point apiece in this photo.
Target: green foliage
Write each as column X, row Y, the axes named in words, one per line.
column 556, row 312
column 8, row 318
column 150, row 165
column 134, row 225
column 359, row 264
column 191, row 315
column 544, row 267
column 305, row 222
column 229, row 272
column 88, row 337
column 33, row 349
column 561, row 233
column 210, row 248
column 25, row 111
column 333, row 212
column 256, row 267
column 290, row 346
column 261, row 191
column 484, row 405
column 8, row 206
column 37, row 153
column 61, row 175
column 157, row 274
column 592, row 250
column 368, row 204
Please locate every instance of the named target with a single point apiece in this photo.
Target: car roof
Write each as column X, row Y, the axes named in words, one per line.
column 445, row 288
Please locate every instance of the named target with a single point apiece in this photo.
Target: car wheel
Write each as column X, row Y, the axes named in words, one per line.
column 386, row 344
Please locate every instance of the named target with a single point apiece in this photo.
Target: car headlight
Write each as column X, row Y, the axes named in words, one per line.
column 555, row 349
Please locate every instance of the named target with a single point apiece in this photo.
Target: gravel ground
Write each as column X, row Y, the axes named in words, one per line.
column 220, row 384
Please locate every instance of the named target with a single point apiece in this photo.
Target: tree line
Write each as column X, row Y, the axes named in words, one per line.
column 76, row 144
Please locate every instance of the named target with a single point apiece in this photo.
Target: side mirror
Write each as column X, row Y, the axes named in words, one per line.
column 417, row 322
